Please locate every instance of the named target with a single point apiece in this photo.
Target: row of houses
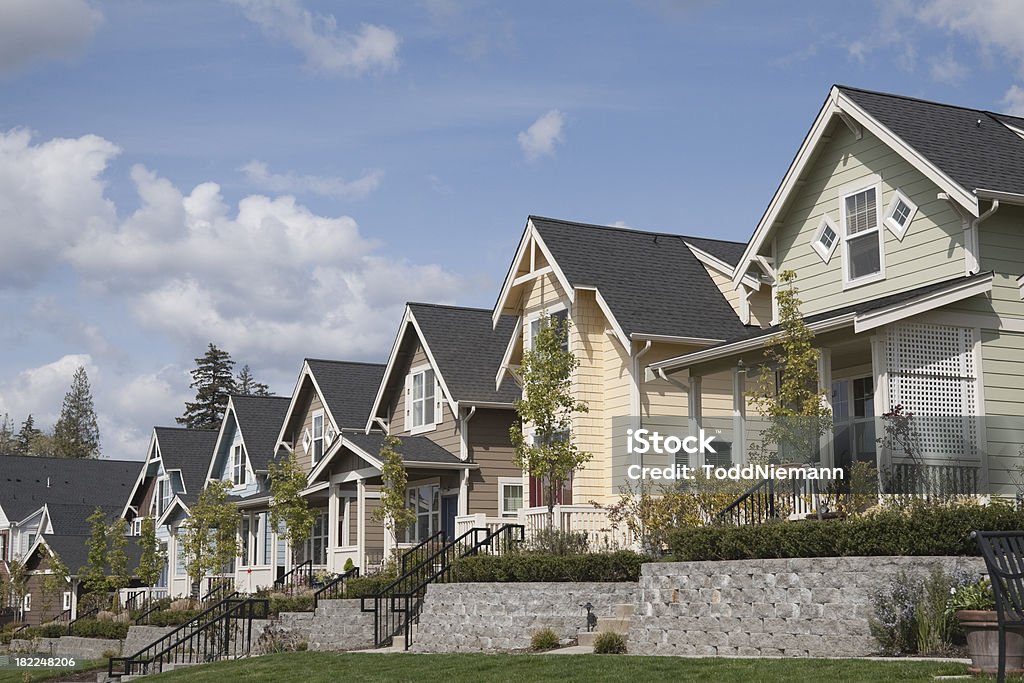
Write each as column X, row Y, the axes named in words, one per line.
column 904, row 221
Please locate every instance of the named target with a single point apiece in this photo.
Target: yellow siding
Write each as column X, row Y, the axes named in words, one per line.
column 588, row 343
column 931, row 250
column 724, row 283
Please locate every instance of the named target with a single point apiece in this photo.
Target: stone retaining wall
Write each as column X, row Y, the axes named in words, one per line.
column 92, row 648
column 475, row 617
column 758, row 608
column 337, row 626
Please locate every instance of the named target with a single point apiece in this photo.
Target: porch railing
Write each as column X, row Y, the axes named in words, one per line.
column 300, row 575
column 335, row 588
column 770, row 499
column 588, row 519
column 929, row 480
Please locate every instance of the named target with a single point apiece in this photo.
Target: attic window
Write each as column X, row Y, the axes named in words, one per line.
column 421, row 391
column 862, row 236
column 899, row 214
column 825, row 239
column 318, row 437
column 238, row 466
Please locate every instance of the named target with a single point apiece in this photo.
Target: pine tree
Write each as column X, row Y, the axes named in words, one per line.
column 8, row 438
column 26, row 436
column 246, row 384
column 76, row 433
column 213, row 381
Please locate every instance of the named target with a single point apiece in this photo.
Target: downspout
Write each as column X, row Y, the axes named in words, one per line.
column 970, row 226
column 975, row 264
column 464, row 457
column 635, row 395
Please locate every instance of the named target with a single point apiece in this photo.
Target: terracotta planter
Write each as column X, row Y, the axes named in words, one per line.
column 982, row 630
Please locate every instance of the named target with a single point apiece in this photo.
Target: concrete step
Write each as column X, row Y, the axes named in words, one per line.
column 587, row 639
column 625, row 611
column 614, row 624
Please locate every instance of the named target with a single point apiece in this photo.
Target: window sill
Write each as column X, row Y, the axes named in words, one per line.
column 866, row 280
column 422, row 429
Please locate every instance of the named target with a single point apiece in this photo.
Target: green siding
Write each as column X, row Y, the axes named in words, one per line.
column 931, row 250
column 1001, row 241
column 1002, row 367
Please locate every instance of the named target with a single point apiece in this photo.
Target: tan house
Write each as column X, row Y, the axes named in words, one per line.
column 904, row 221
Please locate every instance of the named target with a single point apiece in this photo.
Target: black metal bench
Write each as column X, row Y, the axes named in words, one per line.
column 1004, row 558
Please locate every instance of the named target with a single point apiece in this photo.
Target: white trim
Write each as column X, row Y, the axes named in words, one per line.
column 694, row 341
column 532, row 275
column 921, row 304
column 826, row 252
column 228, row 410
column 1008, row 197
column 835, row 103
column 873, row 182
column 979, row 320
column 410, row 426
column 531, row 239
column 721, row 267
column 322, row 414
column 537, row 315
column 607, row 311
column 142, row 474
column 506, row 358
column 899, row 231
column 511, row 481
column 306, row 372
column 979, row 408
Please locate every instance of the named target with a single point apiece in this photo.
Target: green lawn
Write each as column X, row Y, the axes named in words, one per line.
column 317, row 667
column 35, row 675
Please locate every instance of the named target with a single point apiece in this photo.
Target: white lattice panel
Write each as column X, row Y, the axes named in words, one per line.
column 933, row 373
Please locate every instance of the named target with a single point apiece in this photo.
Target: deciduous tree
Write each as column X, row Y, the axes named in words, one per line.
column 394, row 508
column 289, row 511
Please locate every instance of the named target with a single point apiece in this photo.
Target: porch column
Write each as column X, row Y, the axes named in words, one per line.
column 361, row 522
column 825, row 386
column 880, row 373
column 464, row 492
column 739, row 414
column 696, row 412
column 346, row 530
column 332, row 525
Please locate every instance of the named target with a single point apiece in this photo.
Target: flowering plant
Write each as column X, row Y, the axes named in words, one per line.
column 972, row 596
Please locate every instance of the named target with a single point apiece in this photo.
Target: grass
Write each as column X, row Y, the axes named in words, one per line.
column 323, row 667
column 37, row 675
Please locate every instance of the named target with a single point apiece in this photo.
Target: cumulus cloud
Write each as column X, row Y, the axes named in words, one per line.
column 543, row 135
column 325, row 186
column 946, row 69
column 39, row 30
column 995, row 25
column 325, row 46
column 1013, row 101
column 39, row 391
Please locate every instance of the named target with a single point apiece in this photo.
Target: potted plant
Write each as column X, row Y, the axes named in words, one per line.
column 975, row 608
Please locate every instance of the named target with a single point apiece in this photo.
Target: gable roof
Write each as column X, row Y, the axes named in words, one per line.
column 651, row 281
column 71, row 520
column 348, row 389
column 73, row 550
column 974, row 147
column 259, row 418
column 29, row 482
column 187, row 450
column 946, row 143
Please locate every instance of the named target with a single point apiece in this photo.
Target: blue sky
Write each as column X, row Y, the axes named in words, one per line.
column 279, row 176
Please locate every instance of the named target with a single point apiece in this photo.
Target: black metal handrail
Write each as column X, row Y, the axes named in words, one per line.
column 335, row 588
column 155, row 607
column 398, row 605
column 767, row 500
column 63, row 617
column 296, row 575
column 218, row 591
column 84, row 615
column 192, row 623
column 132, row 603
column 226, row 633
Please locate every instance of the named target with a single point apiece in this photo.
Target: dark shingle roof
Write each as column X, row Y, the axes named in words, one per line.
column 188, row 450
column 73, row 551
column 27, row 483
column 988, row 156
column 348, row 388
column 468, row 350
column 413, row 448
column 259, row 420
column 651, row 281
column 71, row 520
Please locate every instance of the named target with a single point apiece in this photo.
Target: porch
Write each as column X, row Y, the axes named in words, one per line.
column 588, row 519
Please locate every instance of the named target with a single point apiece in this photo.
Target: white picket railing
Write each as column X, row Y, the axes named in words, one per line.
column 579, row 518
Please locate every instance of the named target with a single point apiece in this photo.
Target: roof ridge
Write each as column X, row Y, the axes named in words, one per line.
column 189, row 429
column 284, row 398
column 344, row 362
column 633, row 231
column 910, row 98
column 450, row 306
column 56, row 458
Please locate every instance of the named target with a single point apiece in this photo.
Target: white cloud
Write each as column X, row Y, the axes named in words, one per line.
column 995, row 25
column 946, row 69
column 543, row 135
column 1013, row 101
column 317, row 36
column 40, row 391
column 37, row 30
column 325, row 186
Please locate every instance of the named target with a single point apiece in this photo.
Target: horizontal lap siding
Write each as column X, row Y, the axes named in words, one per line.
column 305, row 459
column 491, row 448
column 931, row 250
column 592, row 385
column 446, row 434
column 1001, row 241
column 1003, row 366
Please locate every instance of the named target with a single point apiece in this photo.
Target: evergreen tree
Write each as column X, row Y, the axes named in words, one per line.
column 246, row 384
column 8, row 437
column 26, row 436
column 76, row 433
column 213, row 381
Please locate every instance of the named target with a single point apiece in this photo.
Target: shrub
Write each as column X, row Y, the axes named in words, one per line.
column 280, row 602
column 171, row 617
column 619, row 566
column 51, row 630
column 275, row 640
column 918, row 528
column 367, row 586
column 557, row 542
column 609, row 643
column 94, row 628
column 544, row 639
column 893, row 622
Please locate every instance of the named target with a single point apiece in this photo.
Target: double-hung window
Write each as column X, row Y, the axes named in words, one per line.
column 422, row 399
column 510, row 496
column 238, row 465
column 318, row 437
column 557, row 319
column 862, row 236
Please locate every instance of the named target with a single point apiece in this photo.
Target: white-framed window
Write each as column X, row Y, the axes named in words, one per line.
column 26, row 605
column 863, row 255
column 559, row 316
column 137, row 526
column 179, row 557
column 826, row 238
column 66, row 601
column 238, row 465
column 899, row 214
column 316, row 546
column 422, row 395
column 510, row 496
column 317, row 443
column 3, row 546
column 425, row 501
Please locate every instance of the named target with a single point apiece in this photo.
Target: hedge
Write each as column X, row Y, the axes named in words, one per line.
column 93, row 628
column 620, row 566
column 920, row 529
column 366, row 586
column 171, row 617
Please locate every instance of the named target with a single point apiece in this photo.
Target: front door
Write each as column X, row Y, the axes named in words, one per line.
column 853, row 415
column 449, row 508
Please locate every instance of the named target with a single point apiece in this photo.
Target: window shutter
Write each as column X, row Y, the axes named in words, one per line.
column 408, row 402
